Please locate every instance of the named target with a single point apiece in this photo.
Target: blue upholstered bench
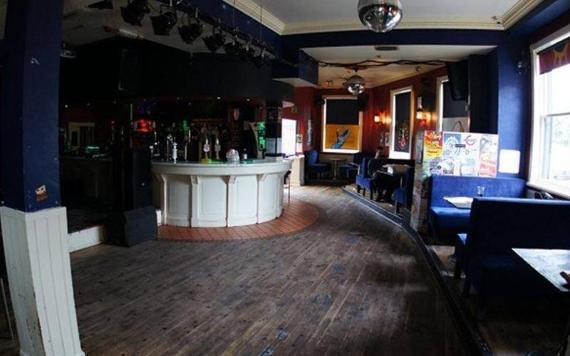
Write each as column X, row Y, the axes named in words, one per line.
column 496, row 226
column 445, row 219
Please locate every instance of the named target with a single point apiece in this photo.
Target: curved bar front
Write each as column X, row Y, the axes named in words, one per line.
column 219, row 194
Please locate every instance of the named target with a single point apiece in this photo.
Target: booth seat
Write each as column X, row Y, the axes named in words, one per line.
column 445, row 219
column 496, row 226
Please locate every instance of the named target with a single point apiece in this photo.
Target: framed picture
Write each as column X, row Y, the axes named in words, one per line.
column 342, row 125
column 402, row 123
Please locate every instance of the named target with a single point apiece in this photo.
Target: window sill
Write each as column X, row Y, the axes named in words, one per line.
column 551, row 188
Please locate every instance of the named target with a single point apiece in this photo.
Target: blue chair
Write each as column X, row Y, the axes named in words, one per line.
column 403, row 195
column 313, row 165
column 350, row 170
column 363, row 178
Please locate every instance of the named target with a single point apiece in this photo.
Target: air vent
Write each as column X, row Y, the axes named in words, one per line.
column 386, row 48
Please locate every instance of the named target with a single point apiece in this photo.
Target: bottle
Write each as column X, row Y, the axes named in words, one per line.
column 244, row 155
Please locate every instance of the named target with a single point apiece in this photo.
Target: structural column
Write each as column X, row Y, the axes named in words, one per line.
column 273, row 131
column 34, row 225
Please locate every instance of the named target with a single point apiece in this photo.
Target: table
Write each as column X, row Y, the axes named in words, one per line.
column 335, row 162
column 549, row 264
column 460, row 202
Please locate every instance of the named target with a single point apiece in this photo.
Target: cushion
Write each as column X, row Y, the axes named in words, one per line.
column 450, row 218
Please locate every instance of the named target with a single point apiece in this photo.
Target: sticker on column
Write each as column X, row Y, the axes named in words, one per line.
column 41, row 193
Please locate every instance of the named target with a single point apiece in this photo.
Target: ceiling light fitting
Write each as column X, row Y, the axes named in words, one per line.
column 164, row 22
column 380, row 15
column 135, row 11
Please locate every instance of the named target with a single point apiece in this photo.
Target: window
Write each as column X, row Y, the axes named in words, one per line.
column 342, row 125
column 402, row 123
column 288, row 137
column 452, row 114
column 550, row 151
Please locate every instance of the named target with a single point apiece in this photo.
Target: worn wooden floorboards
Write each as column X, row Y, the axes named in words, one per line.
column 351, row 284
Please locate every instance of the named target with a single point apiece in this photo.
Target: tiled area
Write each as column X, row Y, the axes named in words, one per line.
column 297, row 216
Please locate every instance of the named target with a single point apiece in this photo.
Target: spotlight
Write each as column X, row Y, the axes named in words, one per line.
column 163, row 23
column 261, row 59
column 234, row 48
column 248, row 52
column 355, row 85
column 134, row 12
column 216, row 40
column 380, row 15
column 102, row 5
column 190, row 32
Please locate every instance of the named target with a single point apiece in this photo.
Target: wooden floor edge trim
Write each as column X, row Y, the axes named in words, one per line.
column 469, row 332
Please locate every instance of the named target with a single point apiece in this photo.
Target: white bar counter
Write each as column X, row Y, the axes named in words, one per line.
column 219, row 194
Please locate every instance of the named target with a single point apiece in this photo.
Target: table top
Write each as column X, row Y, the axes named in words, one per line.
column 548, row 263
column 460, row 202
column 337, row 159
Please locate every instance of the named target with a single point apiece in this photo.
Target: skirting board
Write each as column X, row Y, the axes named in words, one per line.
column 86, row 238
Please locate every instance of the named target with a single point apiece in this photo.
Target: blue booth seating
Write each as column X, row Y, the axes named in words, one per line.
column 446, row 220
column 497, row 225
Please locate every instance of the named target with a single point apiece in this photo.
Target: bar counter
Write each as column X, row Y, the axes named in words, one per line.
column 219, row 194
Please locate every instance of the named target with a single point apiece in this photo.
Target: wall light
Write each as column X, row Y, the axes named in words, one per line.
column 377, row 118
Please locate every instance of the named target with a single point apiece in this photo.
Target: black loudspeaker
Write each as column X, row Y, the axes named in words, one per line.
column 132, row 227
column 458, row 74
column 138, row 179
column 362, row 102
column 319, row 101
column 130, row 71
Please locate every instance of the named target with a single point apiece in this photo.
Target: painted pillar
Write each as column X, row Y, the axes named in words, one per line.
column 34, row 226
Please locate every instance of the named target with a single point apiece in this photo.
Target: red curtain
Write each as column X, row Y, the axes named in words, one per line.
column 555, row 56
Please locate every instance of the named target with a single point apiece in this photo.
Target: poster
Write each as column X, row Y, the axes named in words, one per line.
column 342, row 137
column 460, row 154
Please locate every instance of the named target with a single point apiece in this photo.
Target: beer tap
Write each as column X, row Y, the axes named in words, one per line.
column 187, row 145
column 168, row 151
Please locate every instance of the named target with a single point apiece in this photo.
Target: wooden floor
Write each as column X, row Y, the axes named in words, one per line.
column 351, row 284
column 297, row 216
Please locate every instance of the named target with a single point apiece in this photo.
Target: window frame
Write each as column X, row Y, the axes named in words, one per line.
column 537, row 146
column 409, row 89
column 324, row 149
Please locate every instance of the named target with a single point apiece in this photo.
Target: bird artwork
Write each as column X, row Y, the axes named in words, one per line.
column 341, row 138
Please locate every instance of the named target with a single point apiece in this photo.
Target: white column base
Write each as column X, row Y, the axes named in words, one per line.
column 39, row 272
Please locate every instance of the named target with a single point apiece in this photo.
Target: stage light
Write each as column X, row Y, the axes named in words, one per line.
column 102, row 5
column 192, row 31
column 163, row 23
column 234, row 47
column 135, row 11
column 216, row 40
column 262, row 59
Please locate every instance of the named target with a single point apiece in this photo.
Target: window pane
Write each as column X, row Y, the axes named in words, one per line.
column 288, row 136
column 557, row 150
column 558, row 84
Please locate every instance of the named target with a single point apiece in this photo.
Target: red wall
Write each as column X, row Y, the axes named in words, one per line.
column 307, row 108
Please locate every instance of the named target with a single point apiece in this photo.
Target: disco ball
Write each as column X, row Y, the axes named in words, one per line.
column 355, row 85
column 380, row 15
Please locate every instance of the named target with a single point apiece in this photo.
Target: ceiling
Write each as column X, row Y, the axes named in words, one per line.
column 83, row 25
column 306, row 16
column 383, row 75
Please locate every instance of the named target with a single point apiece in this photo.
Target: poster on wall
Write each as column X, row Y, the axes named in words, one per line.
column 342, row 125
column 401, row 145
column 460, row 154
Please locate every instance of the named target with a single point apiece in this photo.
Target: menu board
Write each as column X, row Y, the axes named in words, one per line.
column 460, row 154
